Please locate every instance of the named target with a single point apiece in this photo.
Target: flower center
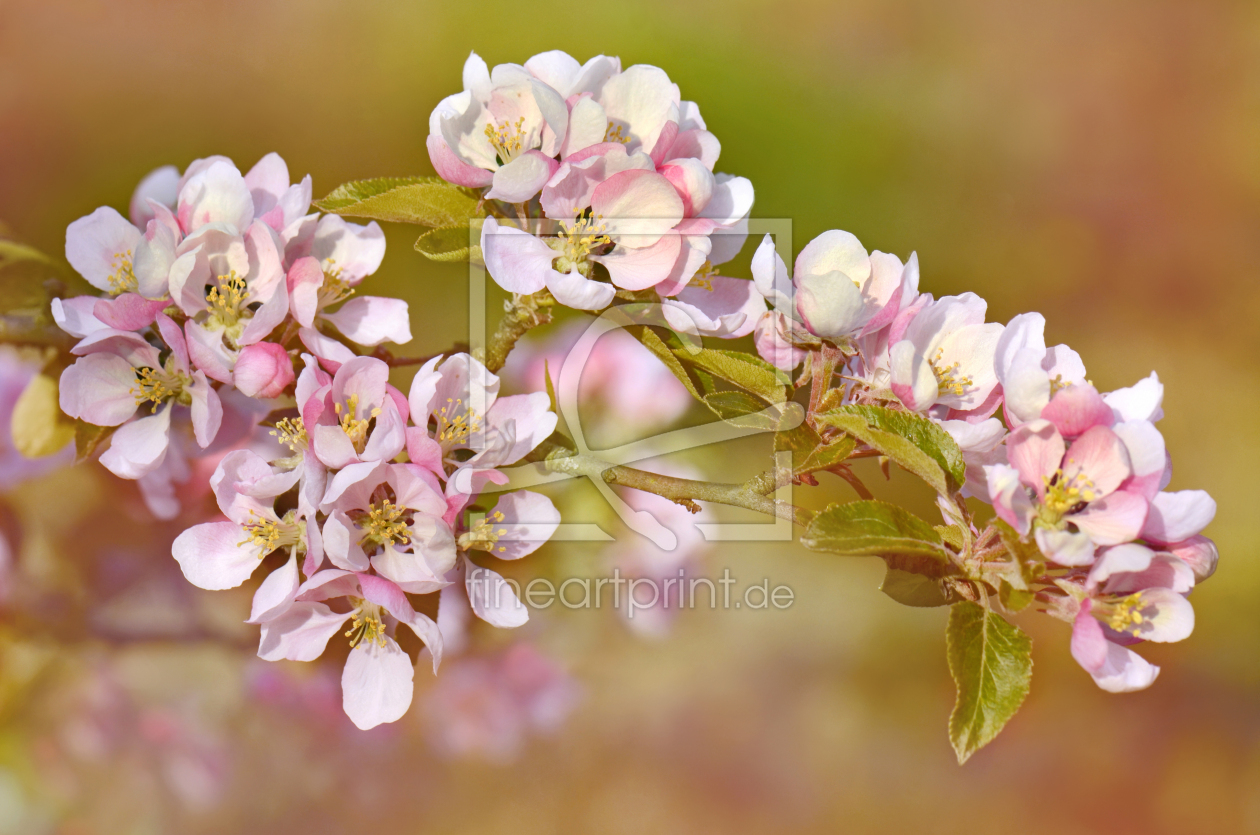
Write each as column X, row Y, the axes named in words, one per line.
column 291, row 432
column 269, row 534
column 367, row 625
column 384, row 524
column 1063, row 494
column 704, row 276
column 355, row 428
column 456, row 422
column 508, row 139
column 226, row 300
column 1126, row 614
column 335, row 288
column 614, row 134
column 947, row 379
column 483, row 536
column 123, row 277
column 157, row 386
column 577, row 241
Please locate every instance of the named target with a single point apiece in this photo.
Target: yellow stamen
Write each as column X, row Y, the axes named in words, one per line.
column 384, row 524
column 947, row 382
column 355, row 429
column 227, row 298
column 704, row 275
column 335, row 288
column 1126, row 614
column 456, row 423
column 1062, row 494
column 270, row 534
column 291, row 432
column 508, row 139
column 576, row 242
column 368, row 625
column 614, row 134
column 157, row 386
column 483, row 535
column 123, row 277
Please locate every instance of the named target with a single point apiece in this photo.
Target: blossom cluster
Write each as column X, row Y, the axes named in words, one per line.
column 191, row 347
column 609, row 171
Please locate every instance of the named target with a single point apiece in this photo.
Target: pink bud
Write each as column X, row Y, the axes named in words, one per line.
column 263, row 370
column 1199, row 553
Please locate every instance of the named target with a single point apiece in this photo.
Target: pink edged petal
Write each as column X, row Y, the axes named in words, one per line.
column 1167, row 616
column 1025, row 332
column 371, row 320
column 492, row 598
column 388, row 436
column 427, row 631
column 1142, row 401
column 1128, row 558
column 304, row 280
column 1010, row 497
column 331, row 353
column 453, row 169
column 417, row 488
column 1148, row 456
column 521, row 179
column 642, row 100
column 138, row 447
column 216, row 555
column 637, row 207
column 348, row 477
column 263, row 370
column 1199, row 553
column 1178, row 516
column 834, row 251
column 730, row 309
column 207, row 411
column 665, row 142
column 154, row 258
column 132, row 347
column 1065, row 547
column 266, row 318
column 639, row 269
column 516, row 260
column 727, row 241
column 267, row 180
column 1165, row 571
column 234, row 482
column 301, row 633
column 698, row 144
column 352, row 251
column 530, row 419
column 771, row 345
column 99, row 247
column 732, row 200
column 174, row 338
column 332, row 446
column 208, row 353
column 160, row 185
column 693, row 182
column 128, row 312
column 1114, row 519
column 1036, row 449
column 432, row 540
column 424, row 451
column 330, row 583
column 1026, row 386
column 341, row 543
column 529, row 520
column 587, row 126
column 409, row 571
column 1089, row 645
column 1076, row 409
column 99, row 389
column 572, row 289
column 424, row 386
column 76, row 316
column 363, row 378
column 1101, row 458
column 376, row 684
column 1124, row 671
column 383, row 593
column 276, row 593
column 217, row 194
column 400, row 402
column 911, row 377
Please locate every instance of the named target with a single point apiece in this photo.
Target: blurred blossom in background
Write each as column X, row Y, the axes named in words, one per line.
column 1097, row 163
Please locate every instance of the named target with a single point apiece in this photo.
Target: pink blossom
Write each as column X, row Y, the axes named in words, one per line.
column 945, row 358
column 1030, row 373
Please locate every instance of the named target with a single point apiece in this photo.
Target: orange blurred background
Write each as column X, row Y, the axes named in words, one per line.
column 1099, row 163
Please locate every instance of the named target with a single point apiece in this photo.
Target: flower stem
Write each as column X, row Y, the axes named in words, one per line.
column 520, row 315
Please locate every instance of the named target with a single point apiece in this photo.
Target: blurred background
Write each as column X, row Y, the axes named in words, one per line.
column 1099, row 163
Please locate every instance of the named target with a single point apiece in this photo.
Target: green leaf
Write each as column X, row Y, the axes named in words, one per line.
column 427, row 201
column 750, row 373
column 38, row 426
column 450, row 243
column 952, row 535
column 910, row 589
column 826, row 456
column 654, row 344
column 1014, row 599
column 873, row 528
column 912, row 441
column 991, row 662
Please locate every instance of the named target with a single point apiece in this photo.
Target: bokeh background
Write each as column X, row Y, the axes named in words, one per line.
column 1099, row 163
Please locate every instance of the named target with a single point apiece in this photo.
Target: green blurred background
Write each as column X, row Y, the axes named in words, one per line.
column 1099, row 163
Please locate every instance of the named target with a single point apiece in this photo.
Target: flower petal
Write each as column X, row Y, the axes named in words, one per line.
column 301, row 633
column 376, row 684
column 216, row 555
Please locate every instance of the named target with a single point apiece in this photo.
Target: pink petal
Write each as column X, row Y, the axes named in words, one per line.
column 493, row 598
column 160, row 185
column 1076, row 409
column 99, row 244
column 301, row 633
column 371, row 320
column 521, row 179
column 276, row 593
column 516, row 260
column 217, row 194
column 1199, row 553
column 263, row 370
column 100, row 389
column 1099, row 456
column 637, row 207
column 128, row 312
column 453, row 169
column 138, row 447
column 216, row 555
column 207, row 411
column 1112, row 520
column 1178, row 516
column 1089, row 646
column 376, row 685
column 644, row 267
column 304, row 280
column 529, row 520
column 1124, row 671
